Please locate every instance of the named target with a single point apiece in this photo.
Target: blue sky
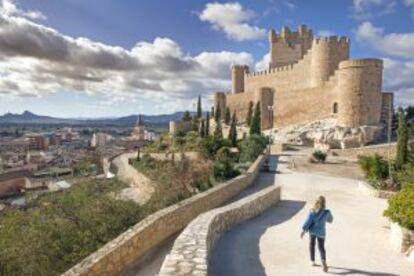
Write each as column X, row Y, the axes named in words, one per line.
column 77, row 58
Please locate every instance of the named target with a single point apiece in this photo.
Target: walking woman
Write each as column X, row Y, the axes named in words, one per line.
column 315, row 225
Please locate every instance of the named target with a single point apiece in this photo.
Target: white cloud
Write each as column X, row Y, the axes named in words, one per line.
column 36, row 60
column 263, row 64
column 395, row 44
column 10, row 8
column 410, row 4
column 232, row 18
column 364, row 9
column 398, row 71
column 398, row 78
column 325, row 33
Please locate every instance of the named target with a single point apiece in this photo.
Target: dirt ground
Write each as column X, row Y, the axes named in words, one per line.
column 334, row 166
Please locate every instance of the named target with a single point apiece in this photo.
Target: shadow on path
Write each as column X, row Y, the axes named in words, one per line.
column 352, row 271
column 237, row 251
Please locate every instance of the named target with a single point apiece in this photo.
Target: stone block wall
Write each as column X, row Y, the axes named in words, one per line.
column 191, row 250
column 381, row 149
column 176, row 126
column 134, row 243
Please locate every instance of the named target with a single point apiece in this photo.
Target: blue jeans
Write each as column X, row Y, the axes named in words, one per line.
column 321, row 247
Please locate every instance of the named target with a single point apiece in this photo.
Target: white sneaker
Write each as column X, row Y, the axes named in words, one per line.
column 313, row 263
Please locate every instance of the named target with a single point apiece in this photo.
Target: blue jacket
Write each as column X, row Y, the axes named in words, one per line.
column 316, row 221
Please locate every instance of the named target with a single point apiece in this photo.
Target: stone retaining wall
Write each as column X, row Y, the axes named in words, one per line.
column 401, row 238
column 153, row 230
column 381, row 149
column 191, row 250
column 369, row 190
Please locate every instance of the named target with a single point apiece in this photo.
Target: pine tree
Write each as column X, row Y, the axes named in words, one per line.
column 218, row 132
column 233, row 130
column 199, row 112
column 207, row 131
column 202, row 129
column 194, row 123
column 186, row 116
column 249, row 114
column 217, row 115
column 227, row 116
column 402, row 140
column 212, row 112
column 255, row 126
column 139, row 155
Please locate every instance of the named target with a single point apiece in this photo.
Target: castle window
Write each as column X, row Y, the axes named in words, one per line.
column 335, row 108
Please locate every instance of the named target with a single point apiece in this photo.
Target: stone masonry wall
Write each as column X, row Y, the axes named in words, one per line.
column 191, row 250
column 153, row 230
column 381, row 149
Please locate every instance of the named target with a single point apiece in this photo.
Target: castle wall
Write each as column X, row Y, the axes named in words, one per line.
column 237, row 77
column 220, row 100
column 326, row 55
column 359, row 92
column 387, row 107
column 239, row 103
column 303, row 105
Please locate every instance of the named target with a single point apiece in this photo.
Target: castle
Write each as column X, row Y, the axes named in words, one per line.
column 309, row 79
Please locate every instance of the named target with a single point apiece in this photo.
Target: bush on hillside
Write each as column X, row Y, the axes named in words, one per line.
column 401, row 207
column 319, row 156
column 374, row 167
column 224, row 165
column 252, row 147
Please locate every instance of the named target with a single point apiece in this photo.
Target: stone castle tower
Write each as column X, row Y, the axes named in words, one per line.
column 309, row 78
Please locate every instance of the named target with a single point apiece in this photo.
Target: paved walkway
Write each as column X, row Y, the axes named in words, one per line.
column 151, row 265
column 357, row 242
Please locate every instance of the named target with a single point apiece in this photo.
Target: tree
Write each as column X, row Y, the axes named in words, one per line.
column 202, row 129
column 199, row 112
column 217, row 115
column 233, row 130
column 207, row 131
column 249, row 114
column 402, row 140
column 227, row 116
column 212, row 112
column 255, row 126
column 186, row 116
column 194, row 123
column 139, row 155
column 218, row 132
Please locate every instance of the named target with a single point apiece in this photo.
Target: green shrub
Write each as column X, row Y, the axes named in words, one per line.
column 58, row 230
column 210, row 145
column 374, row 167
column 224, row 165
column 319, row 156
column 401, row 207
column 252, row 147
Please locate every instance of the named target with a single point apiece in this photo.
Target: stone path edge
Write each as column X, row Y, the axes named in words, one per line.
column 153, row 230
column 191, row 250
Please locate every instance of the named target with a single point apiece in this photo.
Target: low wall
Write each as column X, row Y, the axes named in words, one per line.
column 401, row 238
column 381, row 149
column 369, row 190
column 191, row 250
column 153, row 230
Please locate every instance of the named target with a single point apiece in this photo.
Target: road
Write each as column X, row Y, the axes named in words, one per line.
column 357, row 241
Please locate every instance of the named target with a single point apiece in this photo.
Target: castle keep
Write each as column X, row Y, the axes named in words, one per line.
column 310, row 78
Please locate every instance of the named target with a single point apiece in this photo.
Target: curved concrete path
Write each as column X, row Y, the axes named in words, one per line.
column 150, row 266
column 357, row 242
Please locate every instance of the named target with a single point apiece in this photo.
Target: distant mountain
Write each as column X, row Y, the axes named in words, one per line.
column 29, row 118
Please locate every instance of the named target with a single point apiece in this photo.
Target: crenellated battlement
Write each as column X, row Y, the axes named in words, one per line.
column 334, row 40
column 309, row 78
column 270, row 71
column 366, row 62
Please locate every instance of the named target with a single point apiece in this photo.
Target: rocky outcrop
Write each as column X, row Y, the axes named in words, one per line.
column 326, row 134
